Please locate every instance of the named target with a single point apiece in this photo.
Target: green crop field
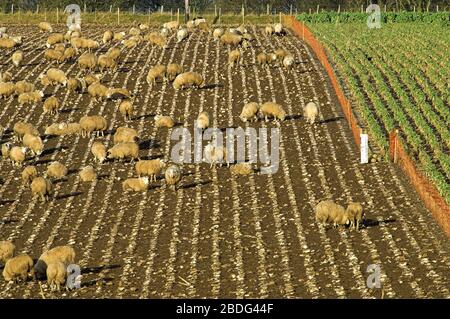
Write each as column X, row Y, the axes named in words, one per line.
column 398, row 75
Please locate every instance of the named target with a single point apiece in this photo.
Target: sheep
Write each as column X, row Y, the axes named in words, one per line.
column 54, row 55
column 134, row 31
column 45, row 27
column 164, row 32
column 56, row 275
column 107, row 36
column 234, row 57
column 281, row 53
column 57, row 76
column 288, row 61
column 181, row 35
column 54, row 39
column 173, row 176
column 98, row 91
column 21, row 128
column 87, row 61
column 135, row 184
column 105, row 62
column 172, row 25
column 93, row 123
column 56, row 170
column 241, row 169
column 198, row 21
column 76, row 85
column 202, row 121
column 118, row 93
column 164, row 121
column 5, row 150
column 143, row 26
column 17, row 58
column 28, row 174
column 7, row 249
column 17, row 155
column 271, row 109
column 5, row 77
column 272, row 58
column 158, row 71
column 92, row 78
column 90, row 44
column 156, row 39
column 87, row 174
column 51, row 105
column 215, row 154
column 355, row 214
column 188, row 79
column 173, row 69
column 7, row 43
column 63, row 129
column 249, row 112
column 231, row 39
column 7, row 89
column 125, row 134
column 118, row 36
column 41, row 187
column 129, row 43
column 23, row 87
column 268, row 30
column 124, row 150
column 126, row 108
column 69, row 54
column 310, row 111
column 113, row 53
column 328, row 211
column 262, row 59
column 30, row 97
column 60, row 47
column 34, row 143
column 63, row 254
column 18, row 268
column 203, row 26
column 99, row 151
column 150, row 168
column 45, row 81
column 217, row 33
column 278, row 29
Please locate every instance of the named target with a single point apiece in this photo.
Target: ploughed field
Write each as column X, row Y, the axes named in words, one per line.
column 217, row 235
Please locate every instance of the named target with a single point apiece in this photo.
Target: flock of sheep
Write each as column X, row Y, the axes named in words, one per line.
column 73, row 47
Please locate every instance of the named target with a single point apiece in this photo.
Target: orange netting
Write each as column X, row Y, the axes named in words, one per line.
column 426, row 190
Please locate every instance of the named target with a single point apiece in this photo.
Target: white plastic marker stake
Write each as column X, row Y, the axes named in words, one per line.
column 364, row 148
column 74, row 277
column 374, row 18
column 74, row 18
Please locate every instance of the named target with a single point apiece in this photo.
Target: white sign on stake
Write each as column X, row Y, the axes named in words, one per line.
column 364, row 148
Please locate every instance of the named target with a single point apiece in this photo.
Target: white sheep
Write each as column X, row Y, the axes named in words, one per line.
column 135, row 184
column 51, row 105
column 355, row 214
column 56, row 170
column 99, row 151
column 28, row 174
column 173, row 176
column 124, row 150
column 17, row 58
column 34, row 143
column 63, row 254
column 17, row 155
column 87, row 174
column 310, row 112
column 181, row 35
column 150, row 168
column 7, row 249
column 241, row 169
column 272, row 109
column 126, row 109
column 56, row 275
column 41, row 187
column 202, row 121
column 18, row 268
column 215, row 154
column 164, row 121
column 328, row 211
column 249, row 112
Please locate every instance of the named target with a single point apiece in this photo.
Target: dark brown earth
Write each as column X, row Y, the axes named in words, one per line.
column 218, row 236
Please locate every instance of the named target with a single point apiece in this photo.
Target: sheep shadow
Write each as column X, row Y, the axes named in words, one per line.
column 69, row 110
column 368, row 223
column 43, row 161
column 211, row 86
column 72, row 194
column 103, row 177
column 148, row 144
column 7, row 201
column 330, row 120
column 8, row 221
column 94, row 282
column 192, row 185
column 293, row 117
column 150, row 157
column 53, row 150
column 145, row 116
column 98, row 269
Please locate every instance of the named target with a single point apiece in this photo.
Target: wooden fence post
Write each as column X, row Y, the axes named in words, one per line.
column 243, row 14
column 134, row 9
column 267, row 9
column 317, row 11
column 57, row 15
column 178, row 15
column 118, row 16
column 290, row 12
column 220, row 14
column 110, row 9
column 37, row 9
column 12, row 8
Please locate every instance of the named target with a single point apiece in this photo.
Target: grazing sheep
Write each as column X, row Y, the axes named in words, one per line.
column 87, row 174
column 156, row 39
column 107, row 36
column 76, row 85
column 28, row 174
column 231, row 39
column 158, row 71
column 203, row 26
column 249, row 112
column 234, row 57
column 328, row 211
column 30, row 97
column 45, row 27
column 98, row 91
column 310, row 112
column 51, row 105
column 119, row 93
column 54, row 39
column 268, row 30
column 18, row 268
column 93, row 123
column 54, row 55
column 215, row 154
column 355, row 214
column 135, row 184
column 172, row 25
column 34, row 143
column 5, row 77
column 137, row 38
column 87, row 61
column 262, row 59
column 129, row 43
column 41, row 187
column 60, row 47
column 181, row 35
column 118, row 36
column 271, row 109
column 69, row 54
column 106, row 62
column 272, row 58
column 173, row 176
column 57, row 76
column 217, row 33
column 202, row 121
column 114, row 53
column 241, row 169
column 150, row 168
column 45, row 81
column 17, row 58
column 17, row 155
column 164, row 32
column 164, row 121
column 21, row 128
column 144, row 26
column 92, row 78
column 125, row 134
column 5, row 150
column 23, row 87
column 56, row 275
column 63, row 254
column 8, row 43
column 281, row 53
column 99, row 151
column 7, row 89
column 61, row 129
column 288, row 62
column 173, row 69
column 56, row 170
column 188, row 79
column 123, row 150
column 7, row 249
column 278, row 29
column 126, row 108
